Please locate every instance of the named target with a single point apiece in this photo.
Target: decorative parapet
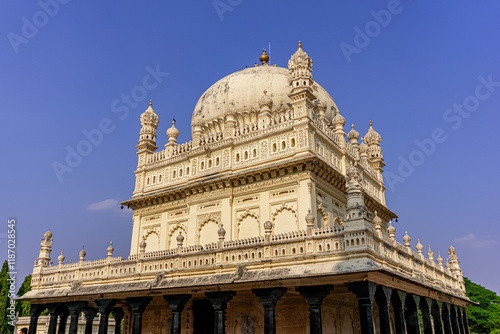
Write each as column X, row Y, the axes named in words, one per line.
column 353, row 240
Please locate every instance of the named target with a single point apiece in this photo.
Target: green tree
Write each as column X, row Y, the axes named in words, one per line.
column 485, row 317
column 23, row 307
column 5, row 328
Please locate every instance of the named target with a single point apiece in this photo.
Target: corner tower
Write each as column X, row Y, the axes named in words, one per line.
column 301, row 82
column 146, row 145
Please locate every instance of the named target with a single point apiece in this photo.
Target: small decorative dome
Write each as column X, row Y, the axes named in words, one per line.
column 439, row 259
column 310, row 218
column 377, row 221
column 82, row 253
column 47, row 235
column 268, row 225
column 430, row 253
column 221, row 231
column 173, row 133
column 110, row 249
column 338, row 119
column 61, row 258
column 406, row 239
column 363, row 148
column 372, row 137
column 265, row 100
column 353, row 173
column 264, row 58
column 391, row 229
column 419, row 247
column 180, row 237
column 353, row 135
column 149, row 116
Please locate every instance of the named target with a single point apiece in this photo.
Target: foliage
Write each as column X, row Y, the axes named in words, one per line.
column 485, row 317
column 4, row 299
column 23, row 307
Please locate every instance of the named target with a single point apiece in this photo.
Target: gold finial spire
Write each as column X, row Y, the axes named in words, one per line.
column 264, row 58
column 300, row 45
column 352, row 126
column 150, row 103
column 370, row 123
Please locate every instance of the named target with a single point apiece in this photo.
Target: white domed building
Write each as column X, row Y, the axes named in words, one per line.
column 270, row 220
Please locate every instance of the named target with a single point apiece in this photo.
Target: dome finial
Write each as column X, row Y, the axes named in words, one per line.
column 150, row 103
column 300, row 45
column 264, row 58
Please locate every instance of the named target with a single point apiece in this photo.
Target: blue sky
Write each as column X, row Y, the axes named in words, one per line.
column 425, row 72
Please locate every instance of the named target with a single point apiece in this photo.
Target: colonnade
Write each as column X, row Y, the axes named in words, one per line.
column 438, row 317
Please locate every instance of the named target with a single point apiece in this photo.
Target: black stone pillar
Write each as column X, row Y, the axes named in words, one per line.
column 398, row 302
column 314, row 296
column 425, row 308
column 383, row 300
column 89, row 313
column 138, row 305
column 365, row 293
column 460, row 321
column 176, row 304
column 411, row 313
column 54, row 310
column 454, row 319
column 219, row 302
column 74, row 308
column 436, row 307
column 269, row 297
column 105, row 306
column 445, row 313
column 118, row 315
column 35, row 311
column 465, row 320
column 63, row 319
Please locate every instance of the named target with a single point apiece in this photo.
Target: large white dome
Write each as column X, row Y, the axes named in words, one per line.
column 246, row 87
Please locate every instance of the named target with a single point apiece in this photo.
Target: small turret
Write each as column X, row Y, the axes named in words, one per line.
column 110, row 249
column 82, row 255
column 147, row 135
column 265, row 104
column 172, row 134
column 45, row 249
column 373, row 140
column 301, row 93
column 61, row 258
column 338, row 123
column 355, row 202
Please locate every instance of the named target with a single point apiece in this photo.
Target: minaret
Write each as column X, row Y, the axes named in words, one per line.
column 373, row 139
column 146, row 145
column 147, row 136
column 356, row 208
column 45, row 250
column 301, row 93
